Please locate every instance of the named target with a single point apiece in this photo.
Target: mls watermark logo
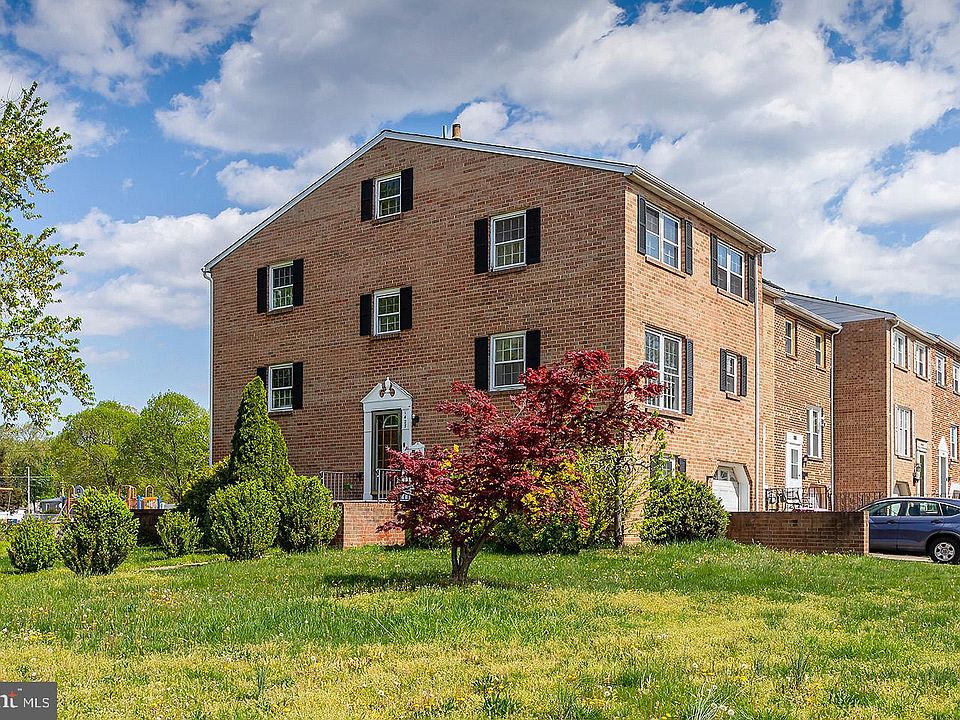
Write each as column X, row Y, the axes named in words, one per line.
column 28, row 700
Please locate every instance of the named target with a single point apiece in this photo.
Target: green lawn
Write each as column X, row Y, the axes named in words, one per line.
column 697, row 631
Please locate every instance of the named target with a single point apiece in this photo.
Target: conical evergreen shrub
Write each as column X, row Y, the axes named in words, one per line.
column 258, row 452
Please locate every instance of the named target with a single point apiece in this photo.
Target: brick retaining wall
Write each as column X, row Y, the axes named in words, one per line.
column 359, row 524
column 812, row 532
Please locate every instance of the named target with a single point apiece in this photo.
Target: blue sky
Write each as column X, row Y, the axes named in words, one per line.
column 830, row 129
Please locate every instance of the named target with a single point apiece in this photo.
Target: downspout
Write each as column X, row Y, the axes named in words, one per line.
column 833, row 418
column 209, row 276
column 757, row 300
column 891, row 440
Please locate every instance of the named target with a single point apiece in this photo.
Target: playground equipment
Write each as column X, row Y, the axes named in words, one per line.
column 148, row 501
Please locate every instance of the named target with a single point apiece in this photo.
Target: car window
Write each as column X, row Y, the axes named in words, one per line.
column 885, row 509
column 950, row 509
column 923, row 509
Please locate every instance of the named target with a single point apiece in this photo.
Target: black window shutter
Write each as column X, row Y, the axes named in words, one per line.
column 481, row 245
column 533, row 236
column 298, row 282
column 723, row 371
column 297, row 385
column 714, row 275
column 743, row 375
column 366, row 312
column 406, row 308
column 406, row 190
column 688, row 381
column 366, row 200
column 641, row 225
column 481, row 363
column 533, row 349
column 752, row 278
column 262, row 289
column 688, row 247
column 681, row 464
column 262, row 374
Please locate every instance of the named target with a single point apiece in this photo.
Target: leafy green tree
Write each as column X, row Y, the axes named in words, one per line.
column 39, row 352
column 259, row 451
column 27, row 446
column 87, row 450
column 168, row 443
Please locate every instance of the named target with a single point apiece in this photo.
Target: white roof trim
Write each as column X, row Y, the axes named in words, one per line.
column 639, row 175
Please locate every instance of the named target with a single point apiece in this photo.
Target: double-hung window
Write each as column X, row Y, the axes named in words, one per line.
column 730, row 266
column 920, row 359
column 790, row 338
column 388, row 196
column 508, row 357
column 386, row 305
column 281, row 387
column 815, row 432
column 663, row 352
column 954, row 443
column 941, row 370
column 904, row 432
column 819, row 349
column 508, row 241
column 956, row 377
column 281, row 286
column 663, row 237
column 899, row 349
column 731, row 372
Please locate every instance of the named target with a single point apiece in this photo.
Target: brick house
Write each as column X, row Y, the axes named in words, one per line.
column 897, row 396
column 798, row 412
column 421, row 260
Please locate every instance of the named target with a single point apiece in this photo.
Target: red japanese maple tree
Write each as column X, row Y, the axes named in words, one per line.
column 505, row 460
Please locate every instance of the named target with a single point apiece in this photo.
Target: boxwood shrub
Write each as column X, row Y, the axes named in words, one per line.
column 243, row 520
column 33, row 545
column 100, row 534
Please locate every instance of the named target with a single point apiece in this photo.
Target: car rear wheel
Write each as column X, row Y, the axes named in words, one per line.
column 944, row 550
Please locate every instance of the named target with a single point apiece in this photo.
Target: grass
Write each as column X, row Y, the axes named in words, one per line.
column 702, row 632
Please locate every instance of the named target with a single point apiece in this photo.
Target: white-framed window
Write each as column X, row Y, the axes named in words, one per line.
column 508, row 241
column 920, row 359
column 790, row 338
column 730, row 264
column 508, row 358
column 956, row 377
column 819, row 349
column 731, row 372
column 663, row 352
column 386, row 309
column 904, row 432
column 815, row 432
column 899, row 349
column 941, row 370
column 388, row 196
column 954, row 443
column 280, row 378
column 281, row 286
column 663, row 237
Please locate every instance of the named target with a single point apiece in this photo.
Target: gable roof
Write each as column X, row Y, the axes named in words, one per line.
column 638, row 175
column 779, row 296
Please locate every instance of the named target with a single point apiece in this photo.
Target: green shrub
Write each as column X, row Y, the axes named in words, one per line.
column 678, row 509
column 243, row 520
column 258, row 451
column 33, row 545
column 308, row 517
column 100, row 534
column 561, row 532
column 203, row 483
column 179, row 533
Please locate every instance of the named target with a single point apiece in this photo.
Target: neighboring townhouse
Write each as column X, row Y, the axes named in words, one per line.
column 421, row 260
column 797, row 404
column 897, row 405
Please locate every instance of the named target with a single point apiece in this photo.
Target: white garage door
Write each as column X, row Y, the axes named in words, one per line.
column 726, row 488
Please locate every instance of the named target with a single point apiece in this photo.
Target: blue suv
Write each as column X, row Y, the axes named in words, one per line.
column 916, row 525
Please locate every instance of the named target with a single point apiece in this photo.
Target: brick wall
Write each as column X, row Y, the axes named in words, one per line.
column 945, row 413
column 359, row 523
column 811, row 532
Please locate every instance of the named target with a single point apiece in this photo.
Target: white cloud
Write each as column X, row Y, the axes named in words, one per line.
column 93, row 356
column 126, row 184
column 253, row 185
column 145, row 272
column 111, row 46
column 485, row 120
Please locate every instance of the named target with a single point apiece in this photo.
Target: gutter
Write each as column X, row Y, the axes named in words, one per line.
column 209, row 276
column 891, row 440
column 833, row 416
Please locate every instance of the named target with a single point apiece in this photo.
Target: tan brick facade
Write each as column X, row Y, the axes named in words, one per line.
column 811, row 532
column 592, row 288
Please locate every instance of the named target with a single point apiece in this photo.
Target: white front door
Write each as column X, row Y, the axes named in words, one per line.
column 727, row 489
column 794, row 461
